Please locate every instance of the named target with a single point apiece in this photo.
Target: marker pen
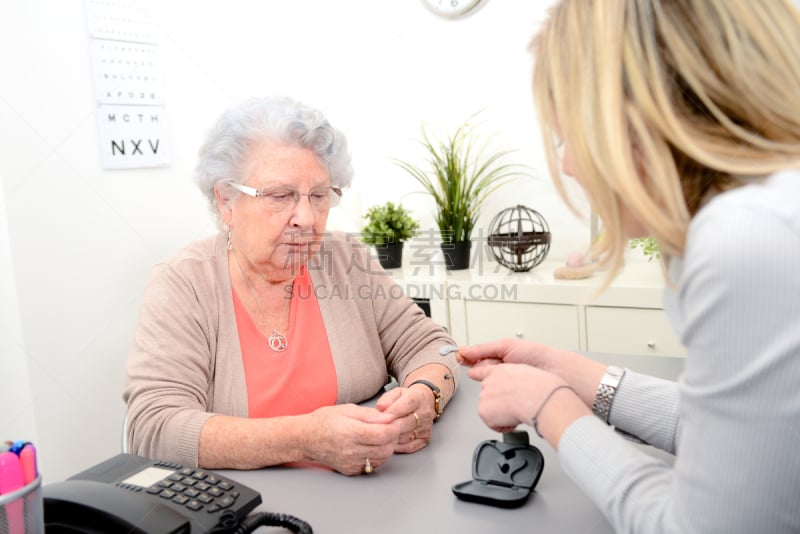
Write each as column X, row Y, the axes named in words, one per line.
column 27, row 459
column 17, row 446
column 10, row 473
column 10, row 481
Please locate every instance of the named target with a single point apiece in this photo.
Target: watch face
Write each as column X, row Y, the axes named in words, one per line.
column 453, row 9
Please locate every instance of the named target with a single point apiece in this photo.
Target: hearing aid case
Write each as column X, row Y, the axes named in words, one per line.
column 504, row 473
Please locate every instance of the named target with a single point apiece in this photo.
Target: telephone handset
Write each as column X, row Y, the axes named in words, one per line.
column 128, row 493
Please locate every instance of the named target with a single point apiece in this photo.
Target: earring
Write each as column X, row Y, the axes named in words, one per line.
column 229, row 240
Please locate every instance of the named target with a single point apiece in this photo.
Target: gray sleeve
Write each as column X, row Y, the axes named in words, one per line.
column 658, row 423
column 736, row 468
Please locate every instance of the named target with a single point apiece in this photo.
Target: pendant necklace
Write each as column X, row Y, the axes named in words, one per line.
column 276, row 341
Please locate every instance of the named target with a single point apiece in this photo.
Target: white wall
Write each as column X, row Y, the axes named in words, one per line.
column 17, row 414
column 81, row 239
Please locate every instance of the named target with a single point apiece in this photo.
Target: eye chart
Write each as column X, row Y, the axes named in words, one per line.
column 129, row 88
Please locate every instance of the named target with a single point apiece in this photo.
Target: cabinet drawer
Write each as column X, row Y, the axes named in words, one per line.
column 552, row 324
column 631, row 331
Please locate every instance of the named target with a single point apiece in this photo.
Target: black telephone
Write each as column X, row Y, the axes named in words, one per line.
column 128, row 493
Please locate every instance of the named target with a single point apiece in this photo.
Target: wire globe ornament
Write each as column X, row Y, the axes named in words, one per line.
column 519, row 238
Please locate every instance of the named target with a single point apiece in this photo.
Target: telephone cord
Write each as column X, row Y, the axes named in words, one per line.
column 253, row 521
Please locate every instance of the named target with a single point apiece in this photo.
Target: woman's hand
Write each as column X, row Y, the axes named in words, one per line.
column 506, row 351
column 412, row 409
column 512, row 394
column 344, row 436
column 580, row 372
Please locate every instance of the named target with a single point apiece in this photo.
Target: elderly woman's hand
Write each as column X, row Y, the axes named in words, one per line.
column 344, row 436
column 413, row 411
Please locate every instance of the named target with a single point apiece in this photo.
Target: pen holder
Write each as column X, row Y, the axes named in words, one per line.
column 21, row 511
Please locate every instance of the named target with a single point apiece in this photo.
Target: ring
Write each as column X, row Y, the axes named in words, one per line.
column 416, row 418
column 414, row 434
column 367, row 467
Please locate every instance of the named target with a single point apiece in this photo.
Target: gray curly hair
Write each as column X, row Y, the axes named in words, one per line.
column 224, row 153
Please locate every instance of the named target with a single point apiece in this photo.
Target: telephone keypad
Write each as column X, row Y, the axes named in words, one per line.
column 196, row 489
column 171, row 495
column 225, row 501
column 194, row 505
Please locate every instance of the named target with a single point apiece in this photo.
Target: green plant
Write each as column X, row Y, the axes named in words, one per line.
column 648, row 246
column 461, row 176
column 388, row 223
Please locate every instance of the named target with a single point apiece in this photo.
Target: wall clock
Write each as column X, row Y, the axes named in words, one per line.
column 453, row 9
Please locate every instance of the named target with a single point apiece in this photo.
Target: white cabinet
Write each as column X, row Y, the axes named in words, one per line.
column 552, row 324
column 630, row 331
column 488, row 302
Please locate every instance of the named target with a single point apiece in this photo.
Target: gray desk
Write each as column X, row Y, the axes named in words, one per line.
column 412, row 493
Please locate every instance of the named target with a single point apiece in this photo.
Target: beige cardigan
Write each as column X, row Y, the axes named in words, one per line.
column 186, row 364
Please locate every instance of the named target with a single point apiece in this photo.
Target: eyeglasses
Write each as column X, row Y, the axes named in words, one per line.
column 283, row 198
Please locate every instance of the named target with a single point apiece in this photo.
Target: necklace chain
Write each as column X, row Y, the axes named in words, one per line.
column 276, row 341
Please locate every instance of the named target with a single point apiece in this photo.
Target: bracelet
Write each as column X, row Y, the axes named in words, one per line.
column 437, row 397
column 547, row 398
column 606, row 391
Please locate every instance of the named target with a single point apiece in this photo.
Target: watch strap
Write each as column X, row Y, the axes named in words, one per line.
column 437, row 397
column 606, row 391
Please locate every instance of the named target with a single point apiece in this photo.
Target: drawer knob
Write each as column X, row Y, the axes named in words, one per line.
column 519, row 334
column 651, row 344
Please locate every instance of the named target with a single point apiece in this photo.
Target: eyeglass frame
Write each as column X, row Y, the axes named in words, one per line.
column 255, row 193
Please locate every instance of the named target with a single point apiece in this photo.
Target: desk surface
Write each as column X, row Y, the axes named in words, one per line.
column 412, row 493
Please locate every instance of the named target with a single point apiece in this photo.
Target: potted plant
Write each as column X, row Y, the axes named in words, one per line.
column 647, row 245
column 460, row 176
column 388, row 227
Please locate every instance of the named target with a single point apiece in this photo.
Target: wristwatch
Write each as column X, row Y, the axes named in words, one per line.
column 606, row 391
column 437, row 397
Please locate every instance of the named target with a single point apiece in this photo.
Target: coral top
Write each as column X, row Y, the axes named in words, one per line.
column 298, row 380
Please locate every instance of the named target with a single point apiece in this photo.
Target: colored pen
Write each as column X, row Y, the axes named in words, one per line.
column 27, row 459
column 16, row 446
column 11, row 480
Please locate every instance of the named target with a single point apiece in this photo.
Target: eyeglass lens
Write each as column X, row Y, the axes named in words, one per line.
column 281, row 199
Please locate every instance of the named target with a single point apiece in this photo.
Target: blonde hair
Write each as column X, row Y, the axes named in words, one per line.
column 663, row 102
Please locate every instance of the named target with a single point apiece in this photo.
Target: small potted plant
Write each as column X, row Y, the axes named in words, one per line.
column 460, row 177
column 648, row 246
column 388, row 227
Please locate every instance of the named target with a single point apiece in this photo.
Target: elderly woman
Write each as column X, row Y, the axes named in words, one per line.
column 254, row 346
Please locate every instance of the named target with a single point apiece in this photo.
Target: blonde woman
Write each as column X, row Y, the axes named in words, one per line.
column 681, row 120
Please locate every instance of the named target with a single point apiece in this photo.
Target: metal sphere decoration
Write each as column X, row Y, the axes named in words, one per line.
column 519, row 238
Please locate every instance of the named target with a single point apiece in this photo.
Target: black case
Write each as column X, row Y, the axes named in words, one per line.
column 504, row 473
